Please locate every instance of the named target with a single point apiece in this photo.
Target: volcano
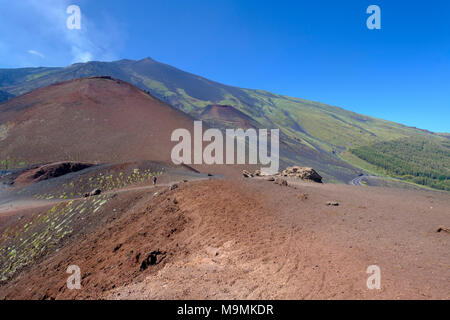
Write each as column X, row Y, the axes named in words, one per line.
column 98, row 119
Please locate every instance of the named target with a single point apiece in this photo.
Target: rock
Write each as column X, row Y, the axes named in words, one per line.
column 93, row 193
column 270, row 179
column 247, row 174
column 152, row 259
column 214, row 252
column 96, row 192
column 333, row 203
column 257, row 173
column 281, row 182
column 443, row 229
column 303, row 196
column 267, row 174
column 304, row 173
column 173, row 186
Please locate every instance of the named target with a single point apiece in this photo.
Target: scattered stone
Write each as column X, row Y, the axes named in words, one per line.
column 247, row 174
column 332, row 203
column 210, row 175
column 303, row 196
column 173, row 186
column 443, row 229
column 281, row 182
column 303, row 173
column 214, row 252
column 117, row 247
column 152, row 259
column 93, row 193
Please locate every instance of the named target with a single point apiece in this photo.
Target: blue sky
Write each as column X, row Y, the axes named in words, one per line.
column 317, row 50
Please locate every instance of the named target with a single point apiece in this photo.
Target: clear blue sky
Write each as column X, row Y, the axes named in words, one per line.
column 318, row 50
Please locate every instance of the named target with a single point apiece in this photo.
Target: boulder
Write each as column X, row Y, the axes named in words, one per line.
column 152, row 259
column 281, row 182
column 257, row 173
column 93, row 193
column 247, row 174
column 173, row 186
column 303, row 196
column 304, row 173
column 443, row 229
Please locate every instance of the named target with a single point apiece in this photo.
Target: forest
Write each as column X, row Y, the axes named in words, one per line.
column 415, row 160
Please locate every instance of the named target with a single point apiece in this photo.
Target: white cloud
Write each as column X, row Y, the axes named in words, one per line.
column 100, row 38
column 83, row 45
column 36, row 53
column 80, row 56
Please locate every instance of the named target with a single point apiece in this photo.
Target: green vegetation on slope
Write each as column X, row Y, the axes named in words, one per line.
column 318, row 134
column 416, row 160
column 313, row 124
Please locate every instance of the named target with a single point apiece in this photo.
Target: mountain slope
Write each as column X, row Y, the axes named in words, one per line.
column 95, row 119
column 5, row 96
column 312, row 133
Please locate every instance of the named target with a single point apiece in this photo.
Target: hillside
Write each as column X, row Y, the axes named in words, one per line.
column 231, row 239
column 312, row 133
column 414, row 160
column 227, row 116
column 95, row 119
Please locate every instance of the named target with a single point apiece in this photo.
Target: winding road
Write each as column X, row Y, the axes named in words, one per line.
column 358, row 180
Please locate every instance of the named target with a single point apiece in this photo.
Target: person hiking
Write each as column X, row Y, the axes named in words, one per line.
column 154, row 180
